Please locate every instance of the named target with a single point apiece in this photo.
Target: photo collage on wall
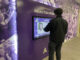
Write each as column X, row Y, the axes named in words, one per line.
column 72, row 19
column 8, row 33
column 47, row 2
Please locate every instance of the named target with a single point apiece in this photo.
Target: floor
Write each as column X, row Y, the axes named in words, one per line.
column 70, row 50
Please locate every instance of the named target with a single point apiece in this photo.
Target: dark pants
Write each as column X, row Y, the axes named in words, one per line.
column 54, row 47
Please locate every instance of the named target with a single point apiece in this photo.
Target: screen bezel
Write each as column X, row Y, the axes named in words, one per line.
column 33, row 28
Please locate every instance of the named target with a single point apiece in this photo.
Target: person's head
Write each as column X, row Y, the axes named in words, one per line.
column 58, row 11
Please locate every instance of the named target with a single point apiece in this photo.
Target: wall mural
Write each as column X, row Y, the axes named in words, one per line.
column 8, row 33
column 70, row 13
column 47, row 2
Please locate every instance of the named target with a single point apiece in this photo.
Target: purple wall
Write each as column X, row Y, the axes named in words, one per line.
column 8, row 31
column 30, row 49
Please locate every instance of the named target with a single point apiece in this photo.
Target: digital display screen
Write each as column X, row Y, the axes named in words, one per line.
column 39, row 25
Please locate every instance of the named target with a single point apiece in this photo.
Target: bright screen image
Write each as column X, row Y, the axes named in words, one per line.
column 39, row 25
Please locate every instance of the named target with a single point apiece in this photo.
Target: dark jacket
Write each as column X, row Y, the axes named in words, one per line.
column 58, row 28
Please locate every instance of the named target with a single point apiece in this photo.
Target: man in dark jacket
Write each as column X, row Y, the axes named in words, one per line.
column 58, row 29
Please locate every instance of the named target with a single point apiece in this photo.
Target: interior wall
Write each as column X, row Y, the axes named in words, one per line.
column 37, row 49
column 78, row 31
column 71, row 15
column 8, row 31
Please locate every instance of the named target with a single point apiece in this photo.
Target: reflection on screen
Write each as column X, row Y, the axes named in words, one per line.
column 39, row 25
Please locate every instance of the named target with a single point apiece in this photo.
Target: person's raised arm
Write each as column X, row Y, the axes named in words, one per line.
column 48, row 27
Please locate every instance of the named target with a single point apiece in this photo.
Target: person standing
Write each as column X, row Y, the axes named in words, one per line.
column 58, row 29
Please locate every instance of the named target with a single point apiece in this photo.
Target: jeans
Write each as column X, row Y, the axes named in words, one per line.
column 54, row 47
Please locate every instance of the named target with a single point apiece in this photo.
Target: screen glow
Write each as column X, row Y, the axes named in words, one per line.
column 39, row 25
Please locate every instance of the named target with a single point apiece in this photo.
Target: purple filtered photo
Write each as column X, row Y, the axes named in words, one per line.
column 8, row 32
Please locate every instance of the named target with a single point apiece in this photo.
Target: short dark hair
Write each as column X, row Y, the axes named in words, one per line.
column 58, row 11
